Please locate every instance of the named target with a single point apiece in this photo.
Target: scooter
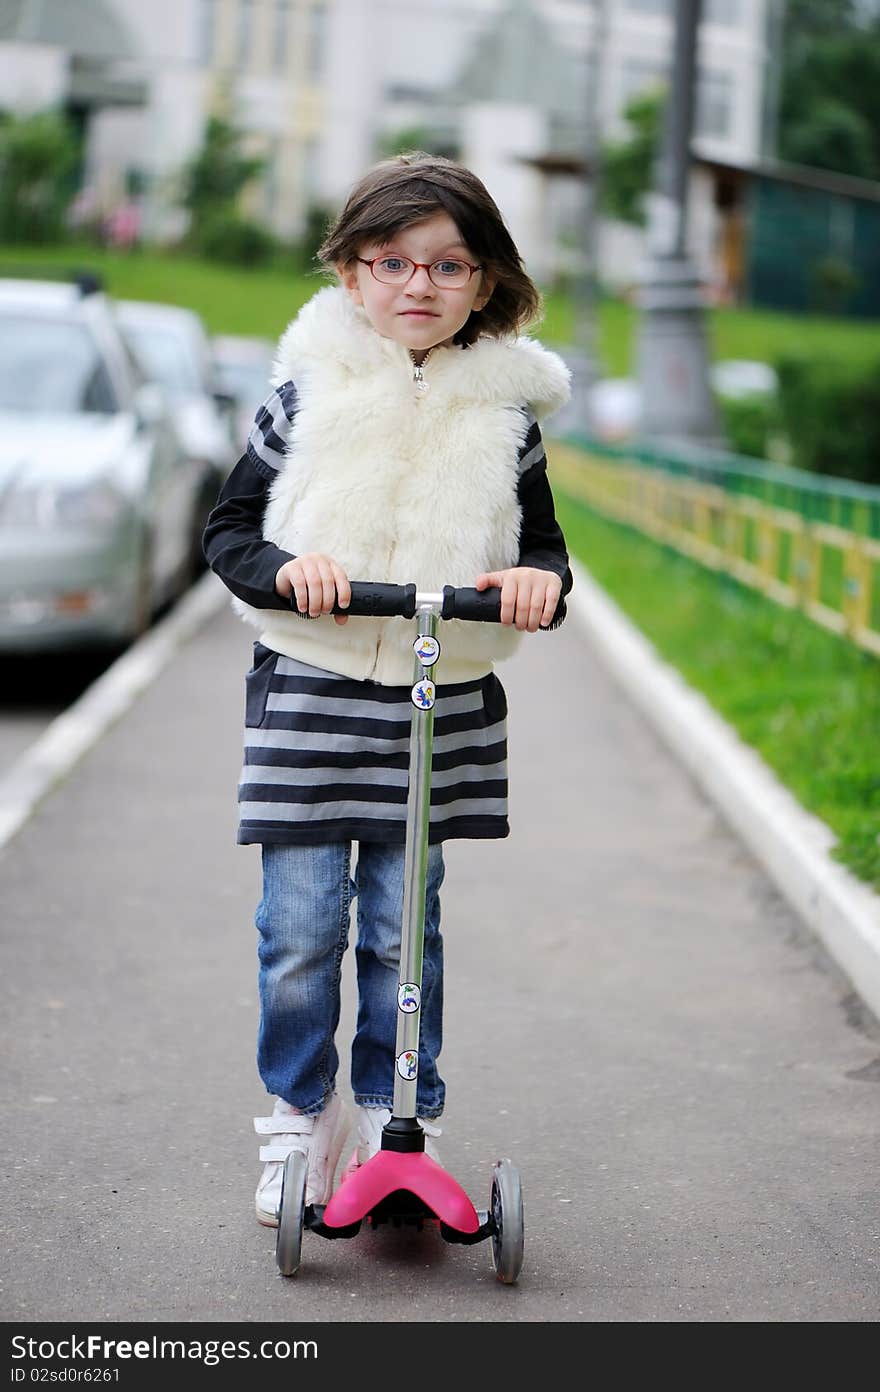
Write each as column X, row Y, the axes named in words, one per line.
column 400, row 1184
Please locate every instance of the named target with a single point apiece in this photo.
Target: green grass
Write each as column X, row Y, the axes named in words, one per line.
column 806, row 700
column 262, row 301
column 230, row 300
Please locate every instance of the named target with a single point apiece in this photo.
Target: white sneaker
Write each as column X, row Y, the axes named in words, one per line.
column 370, row 1121
column 320, row 1137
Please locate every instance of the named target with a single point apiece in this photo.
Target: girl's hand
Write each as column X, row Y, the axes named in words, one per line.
column 528, row 596
column 317, row 581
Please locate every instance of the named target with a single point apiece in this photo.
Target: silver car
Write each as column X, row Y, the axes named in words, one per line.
column 101, row 513
column 243, row 366
column 173, row 348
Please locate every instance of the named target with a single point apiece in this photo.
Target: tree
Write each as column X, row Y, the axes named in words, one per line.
column 38, row 157
column 215, row 178
column 628, row 165
column 830, row 106
column 212, row 185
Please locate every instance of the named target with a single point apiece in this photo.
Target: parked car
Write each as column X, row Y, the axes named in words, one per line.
column 101, row 514
column 243, row 368
column 174, row 350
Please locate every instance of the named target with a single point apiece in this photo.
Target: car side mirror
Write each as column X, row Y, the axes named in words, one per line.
column 150, row 405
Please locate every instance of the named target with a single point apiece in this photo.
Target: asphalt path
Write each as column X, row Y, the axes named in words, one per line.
column 34, row 688
column 685, row 1081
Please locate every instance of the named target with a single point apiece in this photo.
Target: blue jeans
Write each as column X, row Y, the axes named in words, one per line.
column 303, row 921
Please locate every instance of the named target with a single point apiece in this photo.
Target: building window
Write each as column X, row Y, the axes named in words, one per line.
column 316, row 41
column 714, row 104
column 245, row 32
column 281, row 37
column 206, row 33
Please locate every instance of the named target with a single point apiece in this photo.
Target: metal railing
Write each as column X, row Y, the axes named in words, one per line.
column 807, row 542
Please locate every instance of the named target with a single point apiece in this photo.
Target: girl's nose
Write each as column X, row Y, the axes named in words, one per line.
column 420, row 283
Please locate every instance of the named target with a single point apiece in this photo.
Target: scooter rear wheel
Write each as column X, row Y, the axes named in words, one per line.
column 506, row 1207
column 291, row 1214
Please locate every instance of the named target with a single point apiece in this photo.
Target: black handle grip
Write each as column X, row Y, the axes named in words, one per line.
column 462, row 603
column 484, row 605
column 380, row 601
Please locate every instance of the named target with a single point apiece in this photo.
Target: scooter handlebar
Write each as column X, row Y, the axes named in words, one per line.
column 399, row 601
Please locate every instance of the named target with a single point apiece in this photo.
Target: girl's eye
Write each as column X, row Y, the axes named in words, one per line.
column 393, row 264
column 449, row 268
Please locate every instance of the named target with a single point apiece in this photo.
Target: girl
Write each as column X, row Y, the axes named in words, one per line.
column 401, row 443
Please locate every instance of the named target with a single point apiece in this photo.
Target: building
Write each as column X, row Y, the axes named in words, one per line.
column 143, row 79
column 322, row 87
column 507, row 89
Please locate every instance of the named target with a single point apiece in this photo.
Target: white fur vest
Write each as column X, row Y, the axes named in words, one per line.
column 399, row 485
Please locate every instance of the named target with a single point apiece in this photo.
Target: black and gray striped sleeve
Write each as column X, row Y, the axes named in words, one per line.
column 268, row 438
column 541, row 543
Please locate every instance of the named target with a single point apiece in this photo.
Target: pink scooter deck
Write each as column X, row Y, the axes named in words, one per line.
column 364, row 1188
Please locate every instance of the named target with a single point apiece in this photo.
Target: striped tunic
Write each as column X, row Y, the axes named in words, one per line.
column 326, row 758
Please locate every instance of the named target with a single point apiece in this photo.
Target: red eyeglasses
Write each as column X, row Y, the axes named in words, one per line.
column 447, row 274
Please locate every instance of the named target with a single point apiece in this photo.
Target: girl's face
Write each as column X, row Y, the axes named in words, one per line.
column 418, row 314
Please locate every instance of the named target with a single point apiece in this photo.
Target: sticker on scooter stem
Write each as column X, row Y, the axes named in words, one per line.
column 426, row 649
column 409, row 997
column 423, row 694
column 408, row 1064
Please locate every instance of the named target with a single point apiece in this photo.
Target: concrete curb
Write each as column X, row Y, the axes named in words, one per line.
column 792, row 844
column 51, row 757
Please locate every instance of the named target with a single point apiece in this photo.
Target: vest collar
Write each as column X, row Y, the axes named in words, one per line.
column 330, row 330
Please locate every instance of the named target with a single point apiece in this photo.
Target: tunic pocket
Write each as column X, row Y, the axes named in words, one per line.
column 257, row 683
column 494, row 699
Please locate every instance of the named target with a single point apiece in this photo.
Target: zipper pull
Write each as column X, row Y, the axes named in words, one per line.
column 421, row 385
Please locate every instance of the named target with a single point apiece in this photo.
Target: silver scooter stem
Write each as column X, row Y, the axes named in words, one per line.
column 415, row 872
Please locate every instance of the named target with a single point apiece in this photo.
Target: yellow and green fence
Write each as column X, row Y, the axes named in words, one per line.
column 804, row 540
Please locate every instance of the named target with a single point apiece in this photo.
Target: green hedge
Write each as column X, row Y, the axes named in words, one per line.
column 830, row 412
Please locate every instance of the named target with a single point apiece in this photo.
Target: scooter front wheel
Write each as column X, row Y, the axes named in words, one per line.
column 291, row 1214
column 506, row 1207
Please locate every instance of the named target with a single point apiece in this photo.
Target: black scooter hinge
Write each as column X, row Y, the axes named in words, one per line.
column 404, row 1135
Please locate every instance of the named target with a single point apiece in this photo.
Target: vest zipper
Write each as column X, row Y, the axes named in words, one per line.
column 421, row 385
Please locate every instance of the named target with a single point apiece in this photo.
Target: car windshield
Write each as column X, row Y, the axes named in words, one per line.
column 51, row 366
column 166, row 357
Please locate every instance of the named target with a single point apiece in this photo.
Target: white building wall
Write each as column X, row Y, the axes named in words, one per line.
column 496, row 140
column 32, row 76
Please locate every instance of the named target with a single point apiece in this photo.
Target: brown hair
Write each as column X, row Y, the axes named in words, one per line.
column 413, row 186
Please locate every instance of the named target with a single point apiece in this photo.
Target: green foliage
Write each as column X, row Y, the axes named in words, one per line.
column 215, row 178
column 317, row 221
column 749, row 423
column 806, row 700
column 38, row 157
column 227, row 236
column 831, row 135
column 409, row 138
column 627, row 165
column 830, row 103
column 830, row 411
column 833, row 282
